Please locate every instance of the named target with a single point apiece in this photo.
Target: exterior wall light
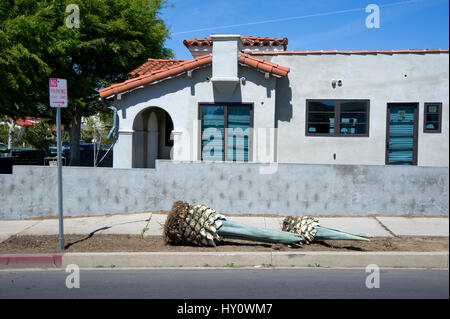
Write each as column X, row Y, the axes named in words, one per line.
column 333, row 83
column 336, row 82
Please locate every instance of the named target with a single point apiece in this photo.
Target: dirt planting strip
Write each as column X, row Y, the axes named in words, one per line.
column 131, row 243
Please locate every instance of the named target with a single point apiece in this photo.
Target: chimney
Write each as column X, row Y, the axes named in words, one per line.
column 225, row 54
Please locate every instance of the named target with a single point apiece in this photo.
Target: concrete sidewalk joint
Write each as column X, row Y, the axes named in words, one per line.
column 385, row 227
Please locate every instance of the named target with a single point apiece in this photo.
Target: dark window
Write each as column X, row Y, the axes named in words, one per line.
column 225, row 132
column 168, row 130
column 213, row 136
column 432, row 118
column 337, row 118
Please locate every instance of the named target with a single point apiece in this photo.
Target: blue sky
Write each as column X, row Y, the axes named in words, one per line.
column 312, row 24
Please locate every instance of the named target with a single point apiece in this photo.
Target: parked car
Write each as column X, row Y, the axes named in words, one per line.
column 65, row 147
column 4, row 152
column 86, row 154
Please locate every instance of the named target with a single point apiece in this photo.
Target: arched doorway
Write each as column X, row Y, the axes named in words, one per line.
column 151, row 137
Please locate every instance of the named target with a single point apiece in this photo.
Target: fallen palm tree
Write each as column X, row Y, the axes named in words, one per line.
column 201, row 225
column 309, row 229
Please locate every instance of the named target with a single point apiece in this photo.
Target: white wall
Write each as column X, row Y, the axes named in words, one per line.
column 180, row 97
column 281, row 103
column 377, row 77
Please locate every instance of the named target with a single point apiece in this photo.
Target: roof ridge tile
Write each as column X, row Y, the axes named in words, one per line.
column 263, row 65
column 246, row 39
column 253, row 53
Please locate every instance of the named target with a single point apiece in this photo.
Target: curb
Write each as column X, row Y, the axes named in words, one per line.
column 363, row 259
column 268, row 259
column 228, row 259
column 31, row 260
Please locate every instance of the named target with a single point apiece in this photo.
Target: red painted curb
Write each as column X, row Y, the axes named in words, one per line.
column 26, row 260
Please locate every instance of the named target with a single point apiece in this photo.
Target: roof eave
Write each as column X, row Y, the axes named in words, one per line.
column 120, row 93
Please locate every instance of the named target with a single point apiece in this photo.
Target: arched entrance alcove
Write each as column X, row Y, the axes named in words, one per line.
column 151, row 137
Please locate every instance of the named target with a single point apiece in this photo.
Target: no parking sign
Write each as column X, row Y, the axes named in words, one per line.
column 58, row 92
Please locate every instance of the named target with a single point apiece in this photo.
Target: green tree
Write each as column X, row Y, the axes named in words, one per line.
column 36, row 43
column 40, row 136
column 4, row 133
column 97, row 128
column 96, row 131
column 23, row 69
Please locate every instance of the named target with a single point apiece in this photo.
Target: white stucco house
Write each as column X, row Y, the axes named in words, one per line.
column 250, row 99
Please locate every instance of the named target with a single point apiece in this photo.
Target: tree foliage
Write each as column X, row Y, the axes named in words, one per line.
column 40, row 137
column 114, row 37
column 97, row 128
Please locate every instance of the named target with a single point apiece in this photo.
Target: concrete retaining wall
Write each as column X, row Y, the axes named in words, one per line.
column 233, row 188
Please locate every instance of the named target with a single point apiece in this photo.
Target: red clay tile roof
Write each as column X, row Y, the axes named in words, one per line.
column 155, row 70
column 263, row 65
column 180, row 66
column 156, row 75
column 28, row 121
column 247, row 40
column 153, row 65
column 351, row 52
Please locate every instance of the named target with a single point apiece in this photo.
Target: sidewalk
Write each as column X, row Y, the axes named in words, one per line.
column 134, row 224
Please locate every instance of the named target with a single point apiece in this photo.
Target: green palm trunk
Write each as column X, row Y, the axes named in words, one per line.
column 234, row 230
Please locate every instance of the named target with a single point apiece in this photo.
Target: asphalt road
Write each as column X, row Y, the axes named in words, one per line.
column 225, row 283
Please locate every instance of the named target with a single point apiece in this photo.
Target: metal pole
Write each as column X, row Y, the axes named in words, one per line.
column 10, row 131
column 60, row 194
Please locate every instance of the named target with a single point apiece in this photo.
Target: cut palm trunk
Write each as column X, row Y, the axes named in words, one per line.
column 202, row 226
column 309, row 229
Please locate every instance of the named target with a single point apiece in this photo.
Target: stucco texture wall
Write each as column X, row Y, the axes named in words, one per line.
column 381, row 78
column 180, row 97
column 281, row 104
column 233, row 188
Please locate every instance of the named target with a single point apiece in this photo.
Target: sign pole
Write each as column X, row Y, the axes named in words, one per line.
column 60, row 193
column 58, row 99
